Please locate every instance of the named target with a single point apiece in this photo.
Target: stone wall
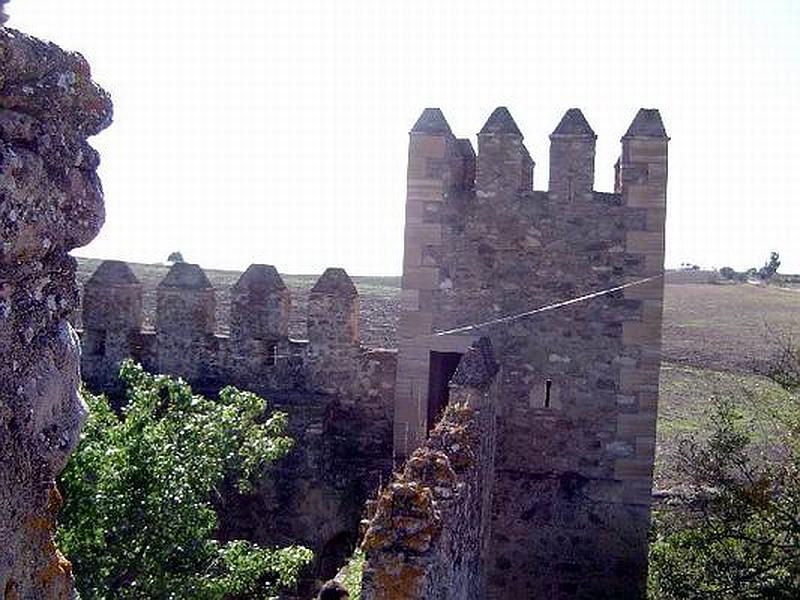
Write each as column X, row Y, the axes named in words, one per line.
column 51, row 201
column 578, row 394
column 429, row 533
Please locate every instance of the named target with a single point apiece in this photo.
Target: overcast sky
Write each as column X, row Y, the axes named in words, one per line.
column 276, row 132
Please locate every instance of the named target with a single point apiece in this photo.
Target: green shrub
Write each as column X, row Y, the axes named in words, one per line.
column 736, row 534
column 353, row 572
column 138, row 520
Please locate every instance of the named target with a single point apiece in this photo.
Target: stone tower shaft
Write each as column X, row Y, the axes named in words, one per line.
column 579, row 386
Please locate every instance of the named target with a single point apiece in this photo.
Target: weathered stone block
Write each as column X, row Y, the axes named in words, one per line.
column 633, row 468
column 421, row 278
column 636, row 425
column 645, row 196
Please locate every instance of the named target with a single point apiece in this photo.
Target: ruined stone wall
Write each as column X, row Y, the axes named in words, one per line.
column 50, row 202
column 574, row 471
column 429, row 533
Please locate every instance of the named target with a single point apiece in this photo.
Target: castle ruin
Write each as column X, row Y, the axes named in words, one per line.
column 563, row 429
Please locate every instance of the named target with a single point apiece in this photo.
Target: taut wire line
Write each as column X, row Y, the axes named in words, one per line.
column 546, row 308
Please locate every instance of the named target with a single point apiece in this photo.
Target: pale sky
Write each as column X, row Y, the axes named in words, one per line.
column 276, row 132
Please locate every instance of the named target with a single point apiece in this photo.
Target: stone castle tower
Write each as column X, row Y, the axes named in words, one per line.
column 578, row 387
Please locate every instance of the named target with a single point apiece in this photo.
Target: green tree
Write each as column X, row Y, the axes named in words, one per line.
column 138, row 520
column 771, row 267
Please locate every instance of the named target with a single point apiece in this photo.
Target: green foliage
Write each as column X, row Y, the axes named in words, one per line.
column 175, row 257
column 784, row 366
column 730, row 274
column 353, row 572
column 736, row 534
column 138, row 519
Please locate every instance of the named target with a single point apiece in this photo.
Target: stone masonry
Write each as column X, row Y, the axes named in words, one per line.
column 51, row 201
column 578, row 394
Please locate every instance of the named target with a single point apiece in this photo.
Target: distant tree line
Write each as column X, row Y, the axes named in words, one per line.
column 765, row 273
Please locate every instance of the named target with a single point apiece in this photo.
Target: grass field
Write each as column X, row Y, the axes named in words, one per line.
column 714, row 338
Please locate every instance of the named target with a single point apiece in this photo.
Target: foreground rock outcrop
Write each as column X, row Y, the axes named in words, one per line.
column 51, row 201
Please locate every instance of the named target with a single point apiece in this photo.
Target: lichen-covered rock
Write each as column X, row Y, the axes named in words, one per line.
column 51, row 201
column 427, row 530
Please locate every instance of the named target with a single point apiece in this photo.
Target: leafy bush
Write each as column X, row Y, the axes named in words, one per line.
column 353, row 572
column 736, row 534
column 784, row 365
column 730, row 274
column 138, row 520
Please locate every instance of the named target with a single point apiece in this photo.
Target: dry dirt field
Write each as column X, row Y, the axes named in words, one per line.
column 714, row 337
column 726, row 326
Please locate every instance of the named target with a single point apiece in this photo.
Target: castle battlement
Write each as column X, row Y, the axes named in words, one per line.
column 257, row 353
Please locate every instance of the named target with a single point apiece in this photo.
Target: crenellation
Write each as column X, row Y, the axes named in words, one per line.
column 185, row 325
column 572, row 151
column 112, row 318
column 186, row 302
column 257, row 354
column 504, row 163
column 112, row 298
column 260, row 305
column 333, row 340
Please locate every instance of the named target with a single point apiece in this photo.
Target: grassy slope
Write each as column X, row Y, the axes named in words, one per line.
column 684, row 406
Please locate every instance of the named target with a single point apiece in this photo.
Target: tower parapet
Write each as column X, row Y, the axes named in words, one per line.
column 440, row 168
column 258, row 349
column 572, row 150
column 185, row 323
column 260, row 305
column 333, row 340
column 504, row 163
column 112, row 318
column 643, row 185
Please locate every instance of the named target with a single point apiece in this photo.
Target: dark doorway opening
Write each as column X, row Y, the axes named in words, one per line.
column 442, row 367
column 335, row 554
